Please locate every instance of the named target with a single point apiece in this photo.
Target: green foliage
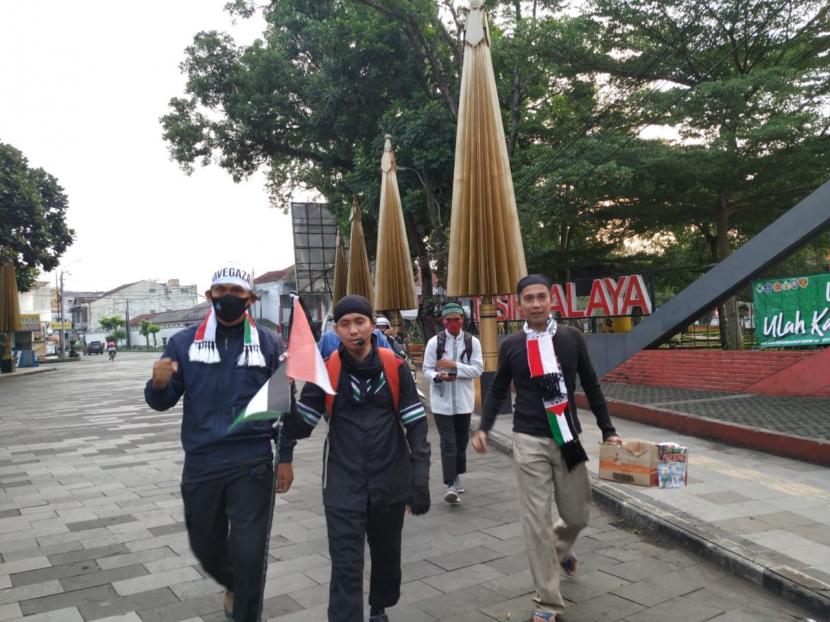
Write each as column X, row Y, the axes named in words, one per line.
column 154, row 329
column 32, row 217
column 147, row 328
column 112, row 324
column 744, row 84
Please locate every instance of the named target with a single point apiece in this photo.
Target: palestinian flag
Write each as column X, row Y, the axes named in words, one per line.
column 272, row 401
column 304, row 359
column 304, row 362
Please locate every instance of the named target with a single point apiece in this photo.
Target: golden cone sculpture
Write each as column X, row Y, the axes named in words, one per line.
column 394, row 278
column 9, row 311
column 360, row 273
column 486, row 251
column 340, row 275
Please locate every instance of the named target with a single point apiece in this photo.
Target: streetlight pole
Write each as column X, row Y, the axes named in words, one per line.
column 60, row 315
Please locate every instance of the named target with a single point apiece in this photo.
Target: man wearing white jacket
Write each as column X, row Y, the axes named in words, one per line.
column 452, row 361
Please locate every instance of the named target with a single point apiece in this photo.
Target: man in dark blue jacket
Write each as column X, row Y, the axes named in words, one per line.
column 228, row 477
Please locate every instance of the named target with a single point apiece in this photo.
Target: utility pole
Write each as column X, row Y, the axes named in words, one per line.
column 127, row 322
column 60, row 313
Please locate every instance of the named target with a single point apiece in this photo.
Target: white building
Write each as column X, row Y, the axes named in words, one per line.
column 134, row 299
column 36, row 318
column 273, row 308
column 170, row 322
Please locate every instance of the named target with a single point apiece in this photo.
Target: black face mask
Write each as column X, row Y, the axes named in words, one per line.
column 229, row 308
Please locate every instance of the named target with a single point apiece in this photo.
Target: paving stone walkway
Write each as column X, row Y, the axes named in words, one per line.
column 91, row 529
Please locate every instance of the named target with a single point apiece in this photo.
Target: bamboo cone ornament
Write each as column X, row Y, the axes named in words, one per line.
column 340, row 274
column 9, row 303
column 394, row 278
column 486, row 252
column 9, row 309
column 360, row 274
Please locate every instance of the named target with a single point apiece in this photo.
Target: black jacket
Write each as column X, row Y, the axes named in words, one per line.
column 528, row 411
column 372, row 453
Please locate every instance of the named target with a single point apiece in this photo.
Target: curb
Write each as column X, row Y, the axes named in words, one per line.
column 720, row 548
column 18, row 374
column 767, row 441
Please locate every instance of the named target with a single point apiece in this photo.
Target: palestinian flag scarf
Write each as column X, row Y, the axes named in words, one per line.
column 203, row 349
column 547, row 374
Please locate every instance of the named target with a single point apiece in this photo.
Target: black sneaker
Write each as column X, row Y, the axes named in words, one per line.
column 569, row 565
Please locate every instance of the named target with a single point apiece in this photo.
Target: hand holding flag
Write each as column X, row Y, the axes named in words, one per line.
column 304, row 362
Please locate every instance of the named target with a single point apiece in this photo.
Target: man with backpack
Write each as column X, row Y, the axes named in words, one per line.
column 452, row 360
column 376, row 461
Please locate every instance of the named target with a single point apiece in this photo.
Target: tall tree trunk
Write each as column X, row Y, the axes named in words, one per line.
column 730, row 317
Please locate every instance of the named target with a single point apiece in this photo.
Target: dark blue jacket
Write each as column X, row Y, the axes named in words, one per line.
column 214, row 394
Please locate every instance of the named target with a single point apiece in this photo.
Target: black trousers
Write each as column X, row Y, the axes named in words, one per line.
column 348, row 530
column 454, row 431
column 228, row 523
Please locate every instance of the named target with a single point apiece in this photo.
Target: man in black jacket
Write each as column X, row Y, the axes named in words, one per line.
column 376, row 462
column 542, row 362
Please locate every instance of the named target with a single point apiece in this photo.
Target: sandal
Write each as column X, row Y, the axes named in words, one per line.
column 543, row 616
column 569, row 565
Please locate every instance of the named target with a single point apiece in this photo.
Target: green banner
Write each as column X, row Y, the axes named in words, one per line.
column 792, row 311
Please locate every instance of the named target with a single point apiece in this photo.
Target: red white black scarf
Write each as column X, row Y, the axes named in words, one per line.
column 546, row 372
column 203, row 349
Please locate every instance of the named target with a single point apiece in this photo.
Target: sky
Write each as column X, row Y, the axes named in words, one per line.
column 82, row 87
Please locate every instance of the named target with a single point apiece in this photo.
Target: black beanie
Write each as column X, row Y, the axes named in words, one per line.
column 352, row 304
column 532, row 279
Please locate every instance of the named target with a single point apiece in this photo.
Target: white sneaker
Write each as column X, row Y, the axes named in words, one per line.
column 451, row 496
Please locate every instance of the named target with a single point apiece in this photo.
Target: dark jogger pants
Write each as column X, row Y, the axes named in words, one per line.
column 454, row 431
column 228, row 522
column 347, row 531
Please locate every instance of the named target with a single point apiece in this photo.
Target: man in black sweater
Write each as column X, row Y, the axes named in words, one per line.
column 542, row 362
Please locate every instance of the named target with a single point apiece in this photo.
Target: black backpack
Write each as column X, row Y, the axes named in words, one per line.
column 442, row 344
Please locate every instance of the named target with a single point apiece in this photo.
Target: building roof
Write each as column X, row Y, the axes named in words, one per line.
column 82, row 297
column 192, row 315
column 118, row 289
column 275, row 275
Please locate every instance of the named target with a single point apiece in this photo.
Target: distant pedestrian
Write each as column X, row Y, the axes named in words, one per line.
column 542, row 362
column 396, row 342
column 375, row 464
column 228, row 476
column 452, row 362
column 112, row 349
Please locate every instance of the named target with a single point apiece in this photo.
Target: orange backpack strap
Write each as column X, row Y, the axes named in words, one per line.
column 391, row 369
column 333, row 367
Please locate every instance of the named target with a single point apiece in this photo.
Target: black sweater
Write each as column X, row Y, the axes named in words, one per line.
column 528, row 411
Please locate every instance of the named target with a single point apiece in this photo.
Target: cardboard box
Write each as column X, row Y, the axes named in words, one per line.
column 644, row 463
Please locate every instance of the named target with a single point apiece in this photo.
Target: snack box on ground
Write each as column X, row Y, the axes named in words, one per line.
column 644, row 463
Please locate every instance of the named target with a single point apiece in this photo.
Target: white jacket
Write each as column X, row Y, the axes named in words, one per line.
column 453, row 398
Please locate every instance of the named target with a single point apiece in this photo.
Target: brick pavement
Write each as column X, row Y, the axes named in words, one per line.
column 91, row 529
column 803, row 416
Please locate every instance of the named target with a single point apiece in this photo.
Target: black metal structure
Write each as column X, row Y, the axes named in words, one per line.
column 805, row 220
column 315, row 239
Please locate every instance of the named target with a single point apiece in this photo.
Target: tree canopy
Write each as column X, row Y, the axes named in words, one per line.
column 743, row 84
column 33, row 230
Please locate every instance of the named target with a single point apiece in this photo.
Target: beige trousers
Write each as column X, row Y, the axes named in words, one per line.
column 542, row 473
